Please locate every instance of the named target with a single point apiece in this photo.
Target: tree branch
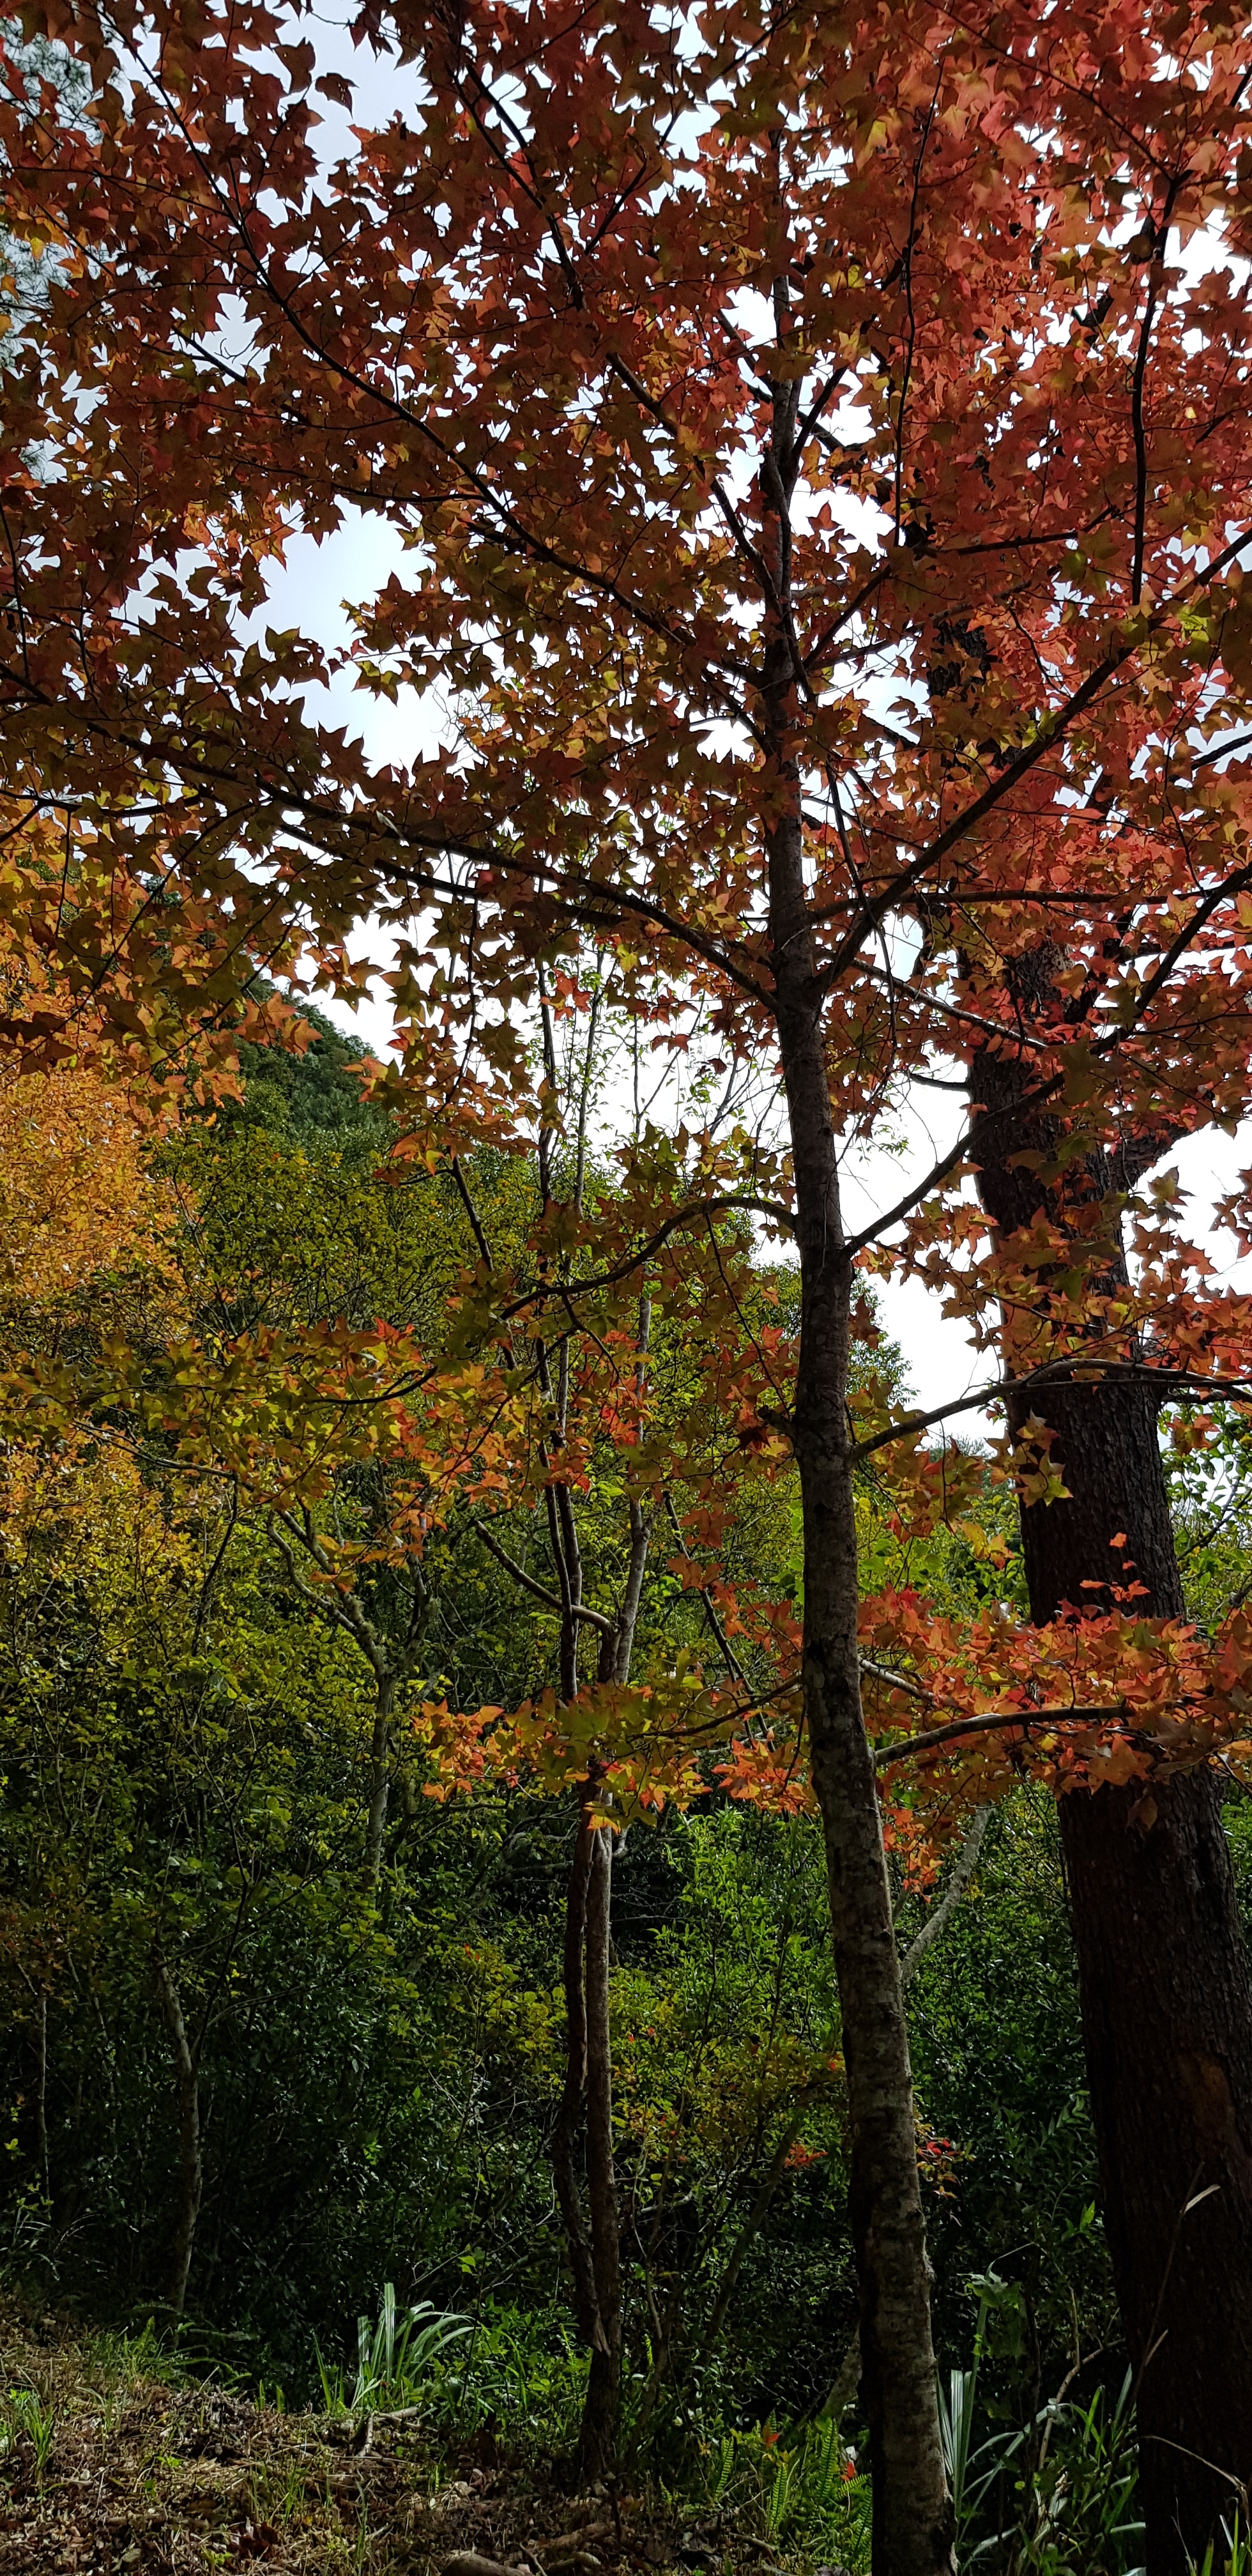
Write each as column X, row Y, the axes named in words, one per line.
column 967, row 1862
column 541, row 1591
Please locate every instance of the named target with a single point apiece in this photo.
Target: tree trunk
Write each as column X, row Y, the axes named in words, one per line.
column 1163, row 1972
column 569, row 2110
column 593, row 2235
column 190, row 2167
column 912, row 2516
column 41, row 2097
column 594, row 2243
column 912, row 2525
column 598, row 2444
column 376, row 1826
column 848, row 2376
column 598, row 2439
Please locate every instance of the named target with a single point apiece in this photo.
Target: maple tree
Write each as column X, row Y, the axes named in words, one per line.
column 82, row 1211
column 817, row 454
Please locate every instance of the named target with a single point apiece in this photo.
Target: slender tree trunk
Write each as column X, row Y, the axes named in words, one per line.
column 190, row 2167
column 602, row 2412
column 594, row 2242
column 380, row 1775
column 593, row 2235
column 569, row 2111
column 41, row 2095
column 1163, row 1972
column 848, row 2376
column 598, row 2448
column 912, row 2517
column 944, row 1907
column 912, row 2533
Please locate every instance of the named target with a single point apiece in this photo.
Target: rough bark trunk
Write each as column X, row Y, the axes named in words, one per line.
column 1163, row 1972
column 912, row 2528
column 191, row 2173
column 848, row 2376
column 912, row 2518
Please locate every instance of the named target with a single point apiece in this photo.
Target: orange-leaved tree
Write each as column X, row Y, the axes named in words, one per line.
column 815, row 451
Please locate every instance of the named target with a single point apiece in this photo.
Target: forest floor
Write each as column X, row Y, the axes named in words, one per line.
column 106, row 2467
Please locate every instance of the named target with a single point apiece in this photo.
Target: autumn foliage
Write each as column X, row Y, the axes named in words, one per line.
column 813, row 462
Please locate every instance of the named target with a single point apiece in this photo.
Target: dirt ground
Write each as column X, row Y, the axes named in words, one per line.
column 104, row 2468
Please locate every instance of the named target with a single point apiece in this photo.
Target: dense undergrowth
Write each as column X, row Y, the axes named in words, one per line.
column 124, row 2450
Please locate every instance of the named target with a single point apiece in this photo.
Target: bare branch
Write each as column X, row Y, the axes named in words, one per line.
column 529, row 1583
column 967, row 1862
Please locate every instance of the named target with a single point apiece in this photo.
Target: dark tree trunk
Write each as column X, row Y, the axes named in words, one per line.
column 41, row 2096
column 595, row 2247
column 912, row 2518
column 912, row 2527
column 1163, row 1972
column 598, row 2449
column 565, row 2134
column 592, row 2230
column 191, row 2176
